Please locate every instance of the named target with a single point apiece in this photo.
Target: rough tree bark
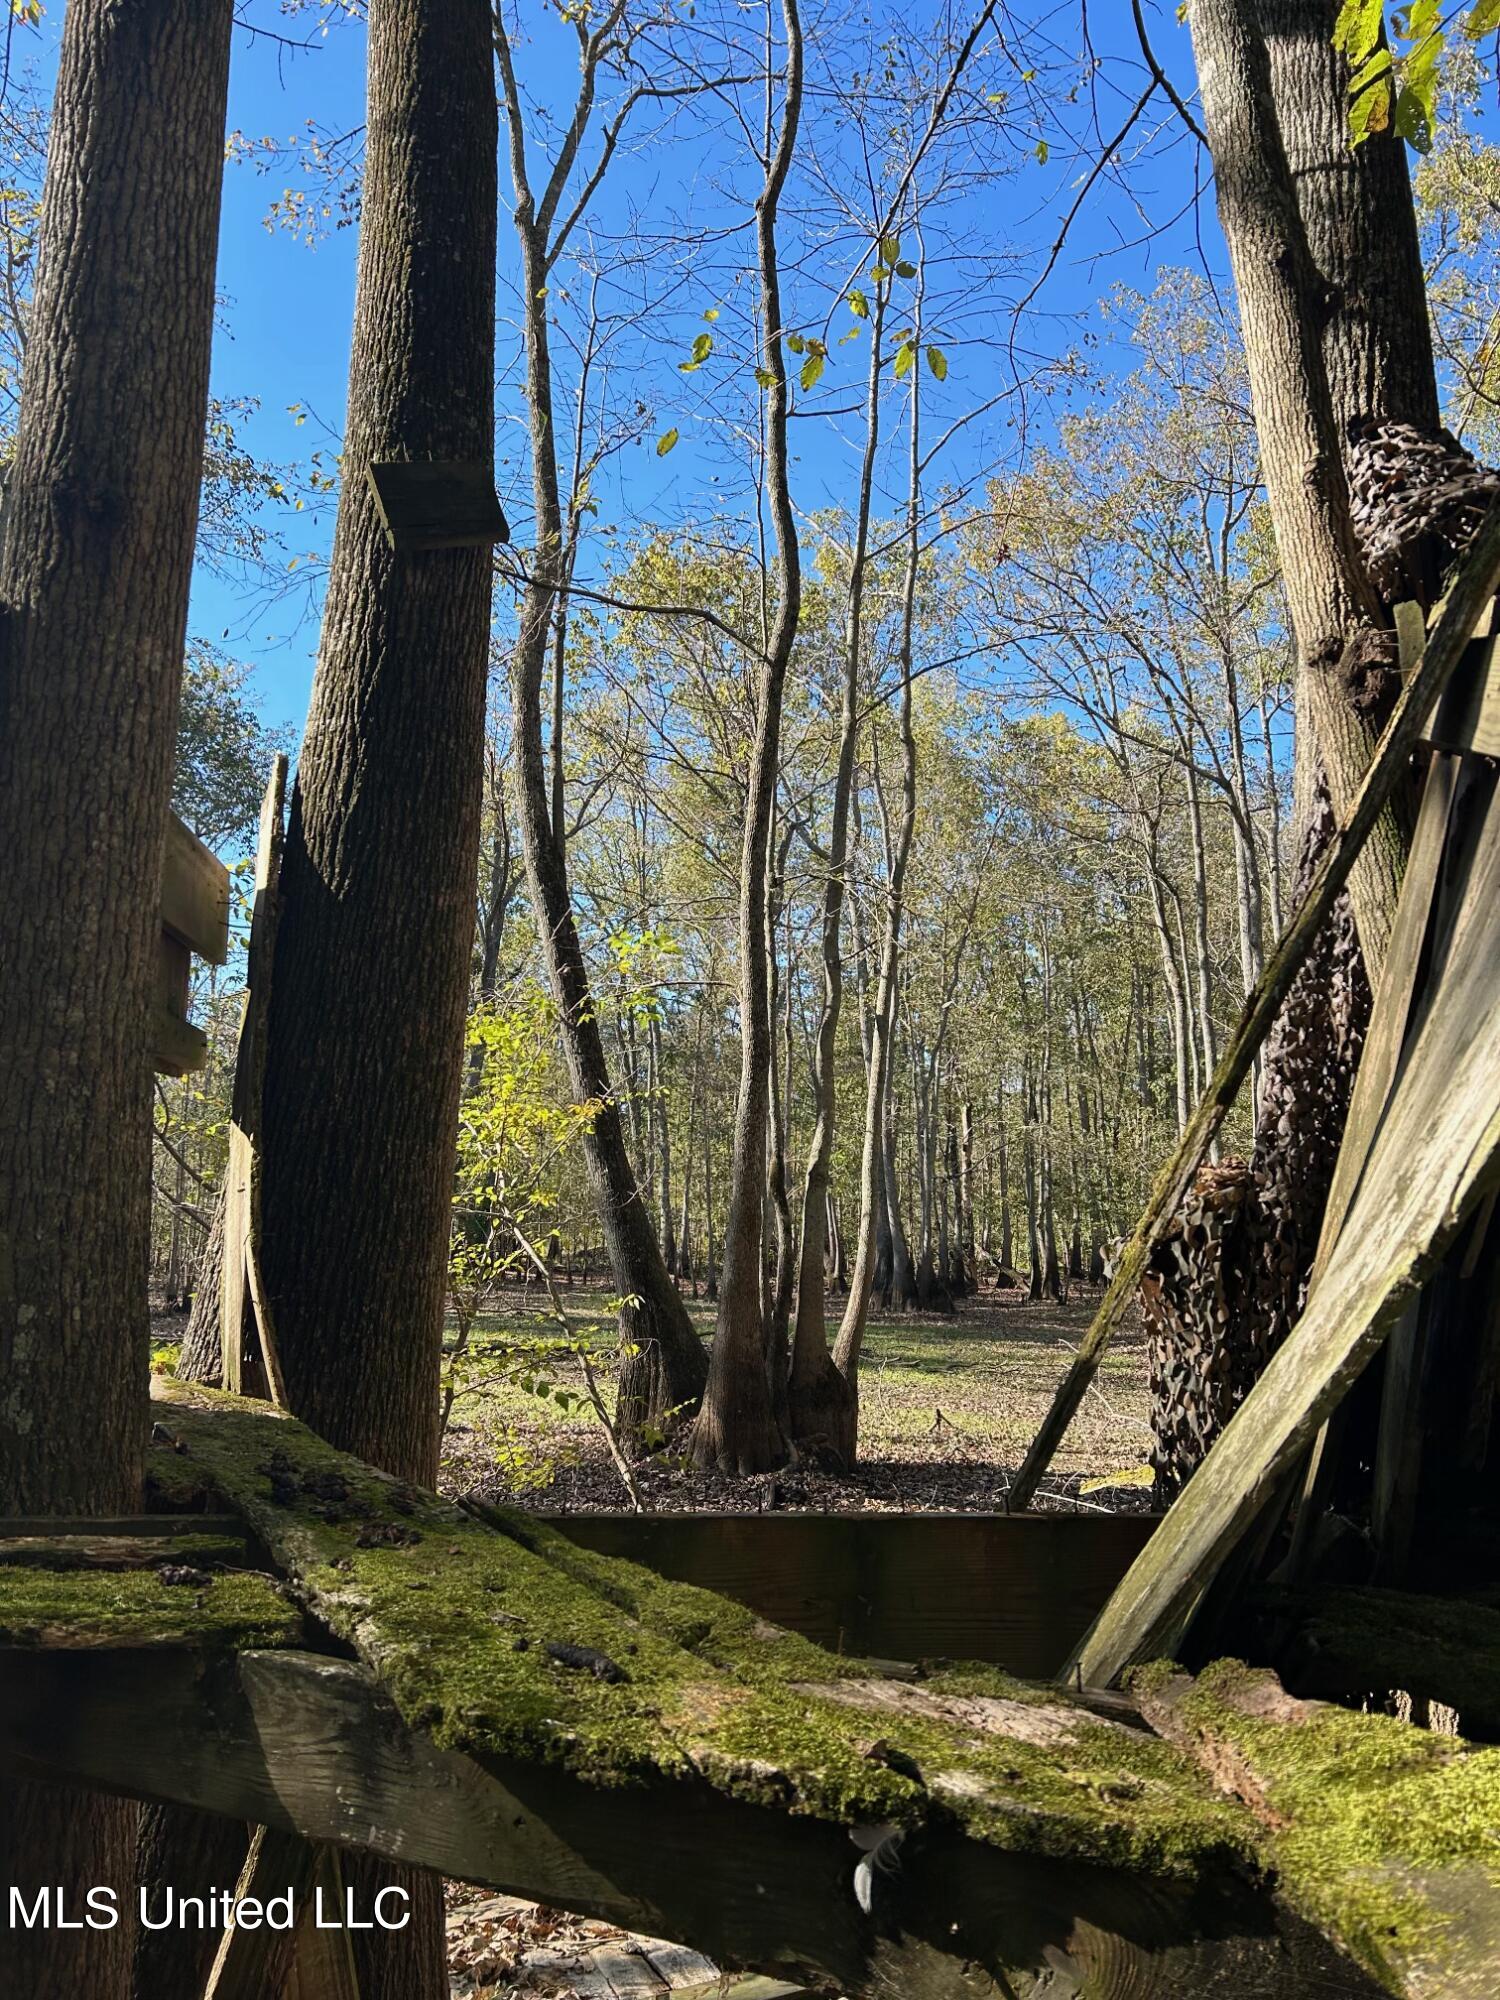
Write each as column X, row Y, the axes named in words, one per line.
column 1281, row 300
column 662, row 1365
column 102, row 507
column 736, row 1428
column 365, row 1037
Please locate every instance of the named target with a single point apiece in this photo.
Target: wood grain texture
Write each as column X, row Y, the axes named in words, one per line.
column 1433, row 1157
column 194, row 893
column 309, row 1744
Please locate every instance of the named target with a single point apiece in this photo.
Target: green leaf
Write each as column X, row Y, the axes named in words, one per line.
column 665, row 442
column 1135, row 1475
column 812, row 368
column 1358, row 29
column 904, row 270
column 890, row 249
column 859, row 305
column 796, row 343
column 712, row 313
column 906, row 354
column 1042, row 152
column 703, row 346
column 937, row 361
column 765, row 378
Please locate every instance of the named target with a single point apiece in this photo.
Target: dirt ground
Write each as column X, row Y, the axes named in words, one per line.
column 948, row 1405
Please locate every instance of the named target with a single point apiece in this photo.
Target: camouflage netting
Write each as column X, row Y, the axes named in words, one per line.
column 1226, row 1284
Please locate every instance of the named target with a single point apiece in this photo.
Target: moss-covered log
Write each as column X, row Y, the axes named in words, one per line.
column 173, row 1603
column 1368, row 1642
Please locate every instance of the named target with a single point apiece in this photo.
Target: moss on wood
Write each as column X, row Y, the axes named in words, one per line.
column 502, row 1638
column 178, row 1605
column 1385, row 1836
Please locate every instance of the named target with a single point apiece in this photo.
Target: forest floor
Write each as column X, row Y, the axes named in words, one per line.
column 948, row 1405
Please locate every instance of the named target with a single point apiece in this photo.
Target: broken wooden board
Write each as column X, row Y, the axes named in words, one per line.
column 1432, row 1158
column 313, row 1745
column 1472, row 591
column 426, row 504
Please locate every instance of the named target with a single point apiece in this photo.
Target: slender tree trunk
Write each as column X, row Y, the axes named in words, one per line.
column 820, row 1400
column 365, row 1035
column 102, row 505
column 879, row 1198
column 662, row 1365
column 736, row 1428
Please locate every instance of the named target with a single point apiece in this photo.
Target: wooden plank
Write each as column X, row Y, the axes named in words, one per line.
column 310, row 1744
column 1476, row 583
column 437, row 505
column 627, row 1975
column 1466, row 715
column 1434, row 1158
column 253, row 1957
column 194, row 893
column 1017, row 1590
column 240, row 1285
column 174, row 975
column 177, row 1047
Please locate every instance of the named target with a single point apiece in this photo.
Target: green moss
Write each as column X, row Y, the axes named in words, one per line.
column 137, row 1608
column 1374, row 1809
column 462, row 1620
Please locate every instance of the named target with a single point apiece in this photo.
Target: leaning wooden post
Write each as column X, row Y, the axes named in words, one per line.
column 240, row 1272
column 1478, row 579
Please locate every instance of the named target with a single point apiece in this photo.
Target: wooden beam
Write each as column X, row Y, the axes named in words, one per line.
column 435, row 505
column 80, row 1551
column 311, row 1745
column 177, row 1047
column 1433, row 1159
column 1467, row 715
column 1477, row 581
column 194, row 893
column 1019, row 1590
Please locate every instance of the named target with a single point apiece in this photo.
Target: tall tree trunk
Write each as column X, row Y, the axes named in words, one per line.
column 1281, row 295
column 365, row 1035
column 662, row 1365
column 879, row 1196
column 102, row 506
column 736, row 1428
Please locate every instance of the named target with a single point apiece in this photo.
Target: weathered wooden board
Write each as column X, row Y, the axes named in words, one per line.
column 438, row 505
column 310, row 1744
column 177, row 1047
column 194, row 893
column 252, row 1959
column 1466, row 715
column 239, row 1271
column 1433, row 1157
column 1018, row 1590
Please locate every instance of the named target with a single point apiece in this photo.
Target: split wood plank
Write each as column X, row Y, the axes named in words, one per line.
column 119, row 1552
column 251, row 1960
column 240, row 1284
column 1433, row 1159
column 1477, row 582
column 626, row 1974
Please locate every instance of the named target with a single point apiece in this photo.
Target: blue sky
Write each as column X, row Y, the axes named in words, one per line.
column 287, row 304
